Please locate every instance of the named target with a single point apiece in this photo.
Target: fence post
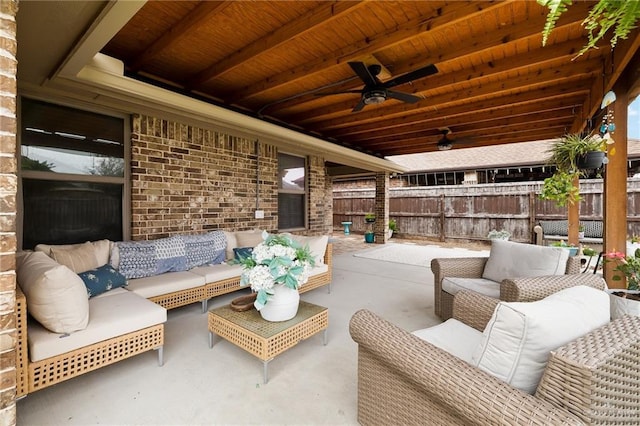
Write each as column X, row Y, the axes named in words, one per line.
column 442, row 217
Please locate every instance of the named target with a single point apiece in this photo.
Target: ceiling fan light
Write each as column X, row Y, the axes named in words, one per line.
column 444, row 146
column 374, row 97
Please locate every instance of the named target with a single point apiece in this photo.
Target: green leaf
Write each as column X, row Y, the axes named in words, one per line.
column 556, row 8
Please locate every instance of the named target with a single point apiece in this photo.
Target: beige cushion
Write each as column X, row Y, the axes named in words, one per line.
column 454, row 337
column 317, row 245
column 56, row 296
column 249, row 238
column 232, row 243
column 509, row 259
column 165, row 283
column 79, row 259
column 520, row 335
column 102, row 249
column 452, row 285
column 215, row 273
column 112, row 315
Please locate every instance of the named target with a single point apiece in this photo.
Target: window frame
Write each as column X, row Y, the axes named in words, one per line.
column 304, row 193
column 125, row 180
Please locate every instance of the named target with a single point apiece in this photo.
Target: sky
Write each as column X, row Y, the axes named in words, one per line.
column 633, row 130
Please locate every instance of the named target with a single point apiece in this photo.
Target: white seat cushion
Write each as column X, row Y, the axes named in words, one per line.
column 119, row 313
column 509, row 259
column 520, row 335
column 452, row 285
column 318, row 269
column 222, row 271
column 454, row 337
column 166, row 283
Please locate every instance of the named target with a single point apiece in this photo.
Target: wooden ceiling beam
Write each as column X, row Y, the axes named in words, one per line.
column 495, row 140
column 447, row 16
column 413, row 29
column 457, row 93
column 200, row 14
column 564, row 114
column 309, row 21
column 525, row 103
column 480, row 132
column 542, row 56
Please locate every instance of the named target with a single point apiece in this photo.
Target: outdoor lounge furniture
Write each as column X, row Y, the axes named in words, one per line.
column 403, row 379
column 547, row 231
column 524, row 272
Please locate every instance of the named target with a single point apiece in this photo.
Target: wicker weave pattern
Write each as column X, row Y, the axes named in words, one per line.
column 22, row 359
column 601, row 372
column 403, row 380
column 265, row 339
column 535, row 288
column 473, row 267
column 180, row 298
column 474, row 309
column 71, row 364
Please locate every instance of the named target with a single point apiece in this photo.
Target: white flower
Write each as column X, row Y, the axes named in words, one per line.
column 260, row 278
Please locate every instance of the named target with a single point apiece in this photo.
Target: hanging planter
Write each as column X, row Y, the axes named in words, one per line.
column 590, row 160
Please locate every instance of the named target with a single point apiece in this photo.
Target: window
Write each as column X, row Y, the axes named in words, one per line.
column 73, row 174
column 292, row 193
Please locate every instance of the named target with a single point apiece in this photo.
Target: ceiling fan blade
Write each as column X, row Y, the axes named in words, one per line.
column 410, row 76
column 338, row 93
column 359, row 107
column 363, row 72
column 404, row 97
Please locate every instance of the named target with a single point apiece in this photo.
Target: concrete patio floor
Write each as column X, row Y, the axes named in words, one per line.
column 308, row 384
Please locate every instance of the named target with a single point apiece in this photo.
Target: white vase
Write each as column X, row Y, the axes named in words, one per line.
column 621, row 306
column 282, row 305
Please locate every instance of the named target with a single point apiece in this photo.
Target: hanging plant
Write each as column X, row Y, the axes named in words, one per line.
column 621, row 16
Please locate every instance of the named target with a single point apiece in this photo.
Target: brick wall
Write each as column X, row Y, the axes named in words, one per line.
column 187, row 179
column 8, row 186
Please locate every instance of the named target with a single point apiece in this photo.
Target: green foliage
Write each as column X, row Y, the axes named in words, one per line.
column 619, row 15
column 588, row 251
column 369, row 217
column 392, row 225
column 108, row 167
column 41, row 166
column 629, row 266
column 560, row 188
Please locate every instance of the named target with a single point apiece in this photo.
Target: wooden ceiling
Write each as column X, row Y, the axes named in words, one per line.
column 272, row 59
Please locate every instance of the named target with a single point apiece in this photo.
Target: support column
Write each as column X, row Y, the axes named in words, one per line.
column 381, row 224
column 573, row 213
column 615, row 189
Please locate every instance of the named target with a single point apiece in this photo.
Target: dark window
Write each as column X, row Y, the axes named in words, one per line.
column 292, row 194
column 72, row 169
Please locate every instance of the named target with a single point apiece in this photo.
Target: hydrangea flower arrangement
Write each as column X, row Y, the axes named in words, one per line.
column 276, row 260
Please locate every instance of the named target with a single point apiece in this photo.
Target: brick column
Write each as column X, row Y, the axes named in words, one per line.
column 8, row 186
column 382, row 207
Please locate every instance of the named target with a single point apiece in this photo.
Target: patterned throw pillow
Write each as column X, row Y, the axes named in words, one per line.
column 102, row 279
column 240, row 253
column 137, row 258
column 204, row 249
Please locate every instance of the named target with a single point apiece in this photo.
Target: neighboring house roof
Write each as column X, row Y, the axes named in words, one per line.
column 488, row 157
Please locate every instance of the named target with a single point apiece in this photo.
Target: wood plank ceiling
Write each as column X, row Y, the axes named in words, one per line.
column 495, row 83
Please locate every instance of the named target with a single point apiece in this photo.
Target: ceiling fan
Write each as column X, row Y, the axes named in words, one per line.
column 446, row 141
column 376, row 91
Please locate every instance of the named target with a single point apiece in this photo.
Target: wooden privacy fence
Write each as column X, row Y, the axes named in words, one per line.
column 470, row 212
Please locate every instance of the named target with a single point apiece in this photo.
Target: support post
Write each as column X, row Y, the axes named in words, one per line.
column 381, row 224
column 615, row 189
column 573, row 213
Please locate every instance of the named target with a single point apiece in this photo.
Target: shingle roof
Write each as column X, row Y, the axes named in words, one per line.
column 487, row 157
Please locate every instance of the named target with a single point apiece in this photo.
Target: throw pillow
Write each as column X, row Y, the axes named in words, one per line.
column 204, row 249
column 232, row 243
column 56, row 296
column 102, row 249
column 249, row 238
column 519, row 337
column 509, row 259
column 102, row 279
column 240, row 253
column 79, row 259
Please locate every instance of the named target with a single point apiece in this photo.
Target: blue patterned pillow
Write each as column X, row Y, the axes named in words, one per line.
column 102, row 279
column 204, row 249
column 240, row 253
column 148, row 258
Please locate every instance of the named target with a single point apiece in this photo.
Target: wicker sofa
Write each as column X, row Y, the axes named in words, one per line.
column 513, row 288
column 82, row 341
column 403, row 379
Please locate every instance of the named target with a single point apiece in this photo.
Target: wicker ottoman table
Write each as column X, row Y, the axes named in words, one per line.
column 265, row 339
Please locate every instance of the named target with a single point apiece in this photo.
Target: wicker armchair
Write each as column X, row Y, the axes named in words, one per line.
column 403, row 379
column 524, row 289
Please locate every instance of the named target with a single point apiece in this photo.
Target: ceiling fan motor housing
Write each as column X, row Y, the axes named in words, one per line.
column 374, row 96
